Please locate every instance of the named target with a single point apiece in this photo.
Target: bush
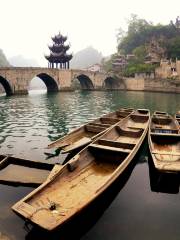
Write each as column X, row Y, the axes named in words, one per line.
column 131, row 69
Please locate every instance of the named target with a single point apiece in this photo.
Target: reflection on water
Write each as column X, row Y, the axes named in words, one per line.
column 165, row 182
column 29, row 123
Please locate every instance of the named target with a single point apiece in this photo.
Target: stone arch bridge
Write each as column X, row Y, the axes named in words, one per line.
column 16, row 80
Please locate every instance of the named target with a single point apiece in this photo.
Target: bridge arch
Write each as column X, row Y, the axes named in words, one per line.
column 85, row 82
column 111, row 83
column 50, row 83
column 6, row 85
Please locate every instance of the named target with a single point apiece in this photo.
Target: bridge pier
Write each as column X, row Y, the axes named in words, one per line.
column 20, row 92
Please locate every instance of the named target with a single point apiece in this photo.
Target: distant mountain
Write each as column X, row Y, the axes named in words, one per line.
column 20, row 61
column 86, row 58
column 3, row 60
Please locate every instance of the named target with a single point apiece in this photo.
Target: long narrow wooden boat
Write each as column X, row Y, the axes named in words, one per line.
column 17, row 171
column 164, row 143
column 72, row 187
column 85, row 134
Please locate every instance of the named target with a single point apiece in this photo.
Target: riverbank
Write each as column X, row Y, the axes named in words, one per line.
column 151, row 85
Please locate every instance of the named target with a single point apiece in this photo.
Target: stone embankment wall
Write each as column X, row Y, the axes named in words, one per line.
column 165, row 79
column 134, row 84
column 152, row 84
column 162, row 85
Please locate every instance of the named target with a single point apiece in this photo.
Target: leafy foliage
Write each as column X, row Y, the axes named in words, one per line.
column 133, row 68
column 173, row 48
column 140, row 32
column 138, row 39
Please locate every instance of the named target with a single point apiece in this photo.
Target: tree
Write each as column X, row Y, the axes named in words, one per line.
column 173, row 48
column 136, row 34
column 140, row 32
column 140, row 53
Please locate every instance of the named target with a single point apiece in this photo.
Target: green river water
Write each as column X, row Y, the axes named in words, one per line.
column 29, row 123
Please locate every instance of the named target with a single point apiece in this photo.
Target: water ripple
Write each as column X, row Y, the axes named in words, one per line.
column 29, row 123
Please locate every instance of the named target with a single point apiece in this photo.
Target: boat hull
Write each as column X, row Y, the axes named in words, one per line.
column 164, row 144
column 86, row 176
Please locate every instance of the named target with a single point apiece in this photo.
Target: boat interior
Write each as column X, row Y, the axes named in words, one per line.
column 102, row 123
column 85, row 174
column 166, row 147
column 165, row 124
column 165, row 138
column 88, row 132
column 20, row 171
column 121, row 139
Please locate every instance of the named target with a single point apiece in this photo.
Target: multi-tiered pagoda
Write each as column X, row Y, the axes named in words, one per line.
column 58, row 57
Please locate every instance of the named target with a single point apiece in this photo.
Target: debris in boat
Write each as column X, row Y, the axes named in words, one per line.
column 52, row 206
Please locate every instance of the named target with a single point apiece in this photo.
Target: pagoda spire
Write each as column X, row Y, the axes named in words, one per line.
column 58, row 57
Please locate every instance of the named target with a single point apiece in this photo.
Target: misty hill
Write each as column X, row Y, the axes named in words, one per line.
column 20, row 61
column 86, row 58
column 36, row 83
column 3, row 60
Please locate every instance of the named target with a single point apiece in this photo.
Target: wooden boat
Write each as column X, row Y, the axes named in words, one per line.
column 16, row 171
column 72, row 187
column 164, row 143
column 85, row 134
column 177, row 117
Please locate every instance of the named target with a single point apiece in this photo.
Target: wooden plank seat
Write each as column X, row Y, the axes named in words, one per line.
column 127, row 133
column 109, row 120
column 117, row 144
column 135, row 128
column 139, row 118
column 106, row 125
column 159, row 131
column 95, row 129
column 173, row 153
column 113, row 149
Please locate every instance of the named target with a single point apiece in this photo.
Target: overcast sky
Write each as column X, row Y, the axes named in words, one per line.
column 26, row 26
